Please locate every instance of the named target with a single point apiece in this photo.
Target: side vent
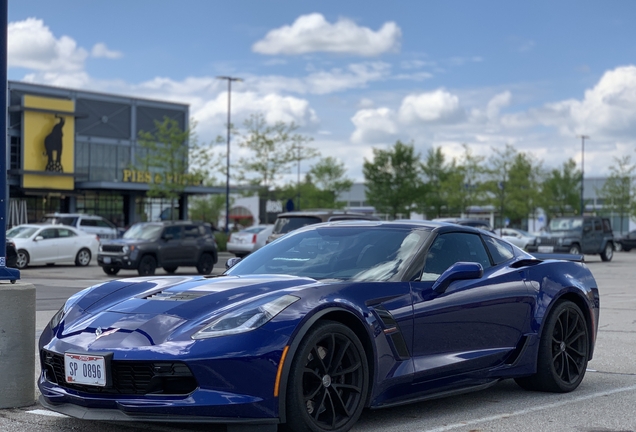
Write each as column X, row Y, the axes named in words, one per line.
column 392, row 331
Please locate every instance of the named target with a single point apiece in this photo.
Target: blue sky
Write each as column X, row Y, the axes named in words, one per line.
column 359, row 74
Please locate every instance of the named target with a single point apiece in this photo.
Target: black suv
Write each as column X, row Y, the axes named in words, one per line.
column 148, row 245
column 577, row 235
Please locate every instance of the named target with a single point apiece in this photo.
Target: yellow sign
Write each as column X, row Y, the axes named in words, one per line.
column 48, row 143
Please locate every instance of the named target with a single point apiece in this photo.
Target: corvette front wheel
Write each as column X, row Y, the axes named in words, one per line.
column 563, row 351
column 328, row 381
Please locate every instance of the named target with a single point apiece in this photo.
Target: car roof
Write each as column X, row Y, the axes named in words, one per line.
column 84, row 215
column 319, row 213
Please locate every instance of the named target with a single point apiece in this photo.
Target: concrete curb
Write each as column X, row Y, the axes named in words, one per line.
column 17, row 362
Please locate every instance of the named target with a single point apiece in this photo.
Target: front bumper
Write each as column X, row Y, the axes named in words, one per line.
column 117, row 261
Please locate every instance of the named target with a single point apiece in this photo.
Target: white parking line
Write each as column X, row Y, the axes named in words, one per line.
column 529, row 410
column 46, row 413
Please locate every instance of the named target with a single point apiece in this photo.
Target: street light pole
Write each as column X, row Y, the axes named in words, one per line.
column 227, row 178
column 583, row 138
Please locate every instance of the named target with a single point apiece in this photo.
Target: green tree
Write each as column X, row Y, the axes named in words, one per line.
column 560, row 191
column 468, row 181
column 438, row 178
column 166, row 156
column 522, row 187
column 392, row 179
column 272, row 151
column 207, row 208
column 498, row 184
column 328, row 175
column 619, row 191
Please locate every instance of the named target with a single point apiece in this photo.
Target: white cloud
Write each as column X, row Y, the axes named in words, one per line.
column 498, row 102
column 356, row 75
column 374, row 125
column 212, row 115
column 438, row 106
column 312, row 33
column 101, row 50
column 32, row 45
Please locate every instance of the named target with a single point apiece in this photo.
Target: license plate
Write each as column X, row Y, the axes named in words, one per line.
column 546, row 249
column 85, row 369
column 106, row 260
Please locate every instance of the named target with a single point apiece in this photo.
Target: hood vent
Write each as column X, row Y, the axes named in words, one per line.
column 176, row 296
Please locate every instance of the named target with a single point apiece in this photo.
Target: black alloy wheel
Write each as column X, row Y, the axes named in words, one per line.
column 112, row 271
column 147, row 266
column 205, row 264
column 563, row 351
column 328, row 380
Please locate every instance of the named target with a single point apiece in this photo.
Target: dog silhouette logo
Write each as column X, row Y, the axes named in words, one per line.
column 53, row 147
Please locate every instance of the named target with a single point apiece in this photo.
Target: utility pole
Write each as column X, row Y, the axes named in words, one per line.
column 583, row 138
column 227, row 178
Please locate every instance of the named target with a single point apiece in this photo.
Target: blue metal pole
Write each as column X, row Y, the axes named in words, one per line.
column 5, row 272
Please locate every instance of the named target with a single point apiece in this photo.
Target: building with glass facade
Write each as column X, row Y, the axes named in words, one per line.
column 78, row 151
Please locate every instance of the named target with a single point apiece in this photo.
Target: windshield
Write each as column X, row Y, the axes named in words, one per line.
column 21, row 232
column 336, row 253
column 143, row 231
column 566, row 224
column 287, row 224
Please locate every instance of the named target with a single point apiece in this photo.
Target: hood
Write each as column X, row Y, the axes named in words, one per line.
column 185, row 297
column 147, row 311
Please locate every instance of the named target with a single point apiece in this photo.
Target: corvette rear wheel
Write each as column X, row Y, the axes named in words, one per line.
column 563, row 351
column 328, row 380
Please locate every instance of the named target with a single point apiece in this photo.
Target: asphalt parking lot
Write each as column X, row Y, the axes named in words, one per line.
column 604, row 402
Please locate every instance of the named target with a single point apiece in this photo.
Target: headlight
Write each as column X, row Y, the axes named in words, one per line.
column 57, row 318
column 245, row 318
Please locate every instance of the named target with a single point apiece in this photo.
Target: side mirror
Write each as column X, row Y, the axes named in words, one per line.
column 232, row 262
column 38, row 238
column 458, row 271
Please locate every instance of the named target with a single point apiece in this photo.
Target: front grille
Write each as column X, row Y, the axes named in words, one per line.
column 128, row 377
column 548, row 241
column 111, row 248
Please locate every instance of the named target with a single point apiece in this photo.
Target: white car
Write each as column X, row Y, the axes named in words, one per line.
column 52, row 244
column 249, row 240
column 88, row 223
column 517, row 237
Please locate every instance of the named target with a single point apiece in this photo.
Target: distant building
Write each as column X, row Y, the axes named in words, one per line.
column 77, row 151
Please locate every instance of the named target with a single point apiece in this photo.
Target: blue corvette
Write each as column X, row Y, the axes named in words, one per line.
column 311, row 329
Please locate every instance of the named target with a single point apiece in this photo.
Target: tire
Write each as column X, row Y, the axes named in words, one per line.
column 563, row 351
column 328, row 380
column 205, row 264
column 83, row 258
column 112, row 271
column 575, row 249
column 147, row 266
column 608, row 252
column 170, row 270
column 626, row 249
column 23, row 259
